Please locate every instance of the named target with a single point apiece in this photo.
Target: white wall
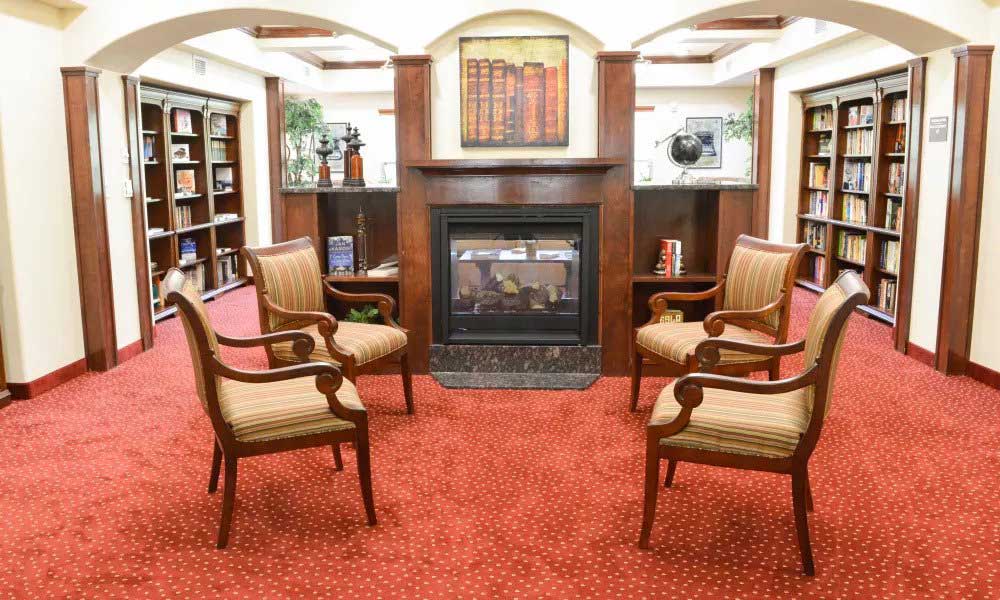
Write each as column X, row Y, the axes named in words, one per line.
column 378, row 132
column 445, row 91
column 672, row 107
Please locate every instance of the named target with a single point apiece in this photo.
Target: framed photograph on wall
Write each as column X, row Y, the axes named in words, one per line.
column 709, row 131
column 336, row 159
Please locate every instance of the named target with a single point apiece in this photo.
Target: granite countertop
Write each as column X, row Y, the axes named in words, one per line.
column 338, row 189
column 640, row 187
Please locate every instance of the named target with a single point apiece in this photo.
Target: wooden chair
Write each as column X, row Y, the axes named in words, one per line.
column 290, row 296
column 758, row 425
column 262, row 412
column 756, row 302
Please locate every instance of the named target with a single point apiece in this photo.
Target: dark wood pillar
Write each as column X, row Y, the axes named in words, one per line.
column 413, row 142
column 965, row 198
column 616, row 139
column 908, row 242
column 274, row 88
column 133, row 137
column 763, row 122
column 93, row 260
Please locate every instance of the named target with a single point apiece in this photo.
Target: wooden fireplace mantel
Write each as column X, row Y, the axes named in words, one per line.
column 515, row 166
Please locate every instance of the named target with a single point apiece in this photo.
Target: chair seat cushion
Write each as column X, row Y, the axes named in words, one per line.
column 367, row 342
column 259, row 412
column 677, row 341
column 768, row 425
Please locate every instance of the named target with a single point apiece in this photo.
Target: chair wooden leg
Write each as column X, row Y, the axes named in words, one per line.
column 404, row 369
column 228, row 500
column 365, row 475
column 652, row 487
column 213, row 479
column 350, row 372
column 774, row 371
column 636, row 380
column 809, row 494
column 799, row 486
column 338, row 459
column 671, row 467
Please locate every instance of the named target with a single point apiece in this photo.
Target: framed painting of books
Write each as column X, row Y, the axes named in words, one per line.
column 514, row 91
column 709, row 131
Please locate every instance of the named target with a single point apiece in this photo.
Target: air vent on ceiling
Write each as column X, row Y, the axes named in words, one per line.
column 820, row 25
column 199, row 64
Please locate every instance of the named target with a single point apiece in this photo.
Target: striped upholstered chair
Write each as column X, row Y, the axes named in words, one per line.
column 290, row 295
column 770, row 426
column 755, row 297
column 262, row 412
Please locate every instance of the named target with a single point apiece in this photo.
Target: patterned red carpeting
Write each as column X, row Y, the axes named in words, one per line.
column 495, row 493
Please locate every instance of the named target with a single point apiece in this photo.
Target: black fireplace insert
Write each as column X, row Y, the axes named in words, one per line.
column 514, row 275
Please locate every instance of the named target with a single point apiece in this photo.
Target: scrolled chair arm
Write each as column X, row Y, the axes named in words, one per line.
column 715, row 323
column 326, row 324
column 302, row 343
column 658, row 302
column 708, row 355
column 386, row 304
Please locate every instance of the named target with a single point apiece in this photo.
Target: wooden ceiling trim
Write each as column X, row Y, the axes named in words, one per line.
column 334, row 65
column 309, row 57
column 292, row 32
column 742, row 23
column 678, row 59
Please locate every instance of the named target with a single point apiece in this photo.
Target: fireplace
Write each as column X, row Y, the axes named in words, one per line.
column 521, row 275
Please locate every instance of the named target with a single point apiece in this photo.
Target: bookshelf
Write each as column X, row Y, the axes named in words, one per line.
column 194, row 195
column 853, row 186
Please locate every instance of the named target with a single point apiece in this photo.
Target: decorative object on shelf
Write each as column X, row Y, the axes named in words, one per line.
column 338, row 144
column 217, row 124
column 182, row 121
column 324, row 151
column 672, row 315
column 340, row 255
column 367, row 314
column 514, row 91
column 709, row 131
column 362, row 223
column 346, row 158
column 180, row 152
column 660, row 268
column 184, row 180
column 354, row 176
column 223, row 179
column 671, row 249
column 683, row 150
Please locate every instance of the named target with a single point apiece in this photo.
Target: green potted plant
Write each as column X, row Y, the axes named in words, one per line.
column 739, row 127
column 303, row 126
column 367, row 314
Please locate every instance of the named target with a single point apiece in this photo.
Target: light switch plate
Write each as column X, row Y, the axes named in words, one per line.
column 128, row 188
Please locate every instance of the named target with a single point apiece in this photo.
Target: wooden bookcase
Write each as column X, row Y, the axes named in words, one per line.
column 213, row 158
column 845, row 218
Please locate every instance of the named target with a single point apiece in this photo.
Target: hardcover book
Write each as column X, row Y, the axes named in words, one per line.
column 217, row 124
column 184, row 179
column 189, row 249
column 340, row 255
column 224, row 179
column 180, row 152
column 182, row 121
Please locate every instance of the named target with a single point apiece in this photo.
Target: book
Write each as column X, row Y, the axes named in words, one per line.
column 218, row 150
column 510, row 84
column 814, row 234
column 518, row 110
column 818, row 203
column 823, row 144
column 858, row 141
column 672, row 248
column 551, row 105
column 217, row 124
column 147, row 147
column 886, row 296
column 893, row 214
column 483, row 126
column 890, row 256
column 189, row 250
column 498, row 93
column 857, row 176
column 534, row 103
column 897, row 110
column 223, row 179
column 340, row 255
column 819, row 175
column 182, row 217
column 196, row 277
column 184, row 181
column 180, row 152
column 472, row 99
column 851, row 246
column 819, row 270
column 855, row 209
column 896, row 178
column 822, row 118
column 562, row 95
column 182, row 121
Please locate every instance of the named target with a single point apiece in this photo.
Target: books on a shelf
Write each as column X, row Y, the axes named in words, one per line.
column 182, row 217
column 223, row 179
column 217, row 124
column 857, row 176
column 893, row 214
column 897, row 110
column 147, row 148
column 851, row 246
column 860, row 115
column 196, row 276
column 225, row 216
column 819, row 203
column 819, row 175
column 890, row 256
column 184, row 181
column 227, row 270
column 886, row 297
column 674, row 256
column 814, row 234
column 154, row 230
column 822, row 118
column 340, row 255
column 897, row 178
column 823, row 143
column 217, row 150
column 819, row 270
column 189, row 250
column 182, row 121
column 855, row 209
column 858, row 141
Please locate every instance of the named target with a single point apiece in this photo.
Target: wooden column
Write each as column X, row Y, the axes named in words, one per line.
column 763, row 121
column 133, row 135
column 965, row 198
column 908, row 242
column 274, row 88
column 413, row 142
column 616, row 139
column 93, row 260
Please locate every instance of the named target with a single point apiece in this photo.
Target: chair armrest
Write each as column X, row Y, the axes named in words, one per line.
column 327, row 325
column 302, row 343
column 707, row 351
column 386, row 303
column 658, row 302
column 715, row 323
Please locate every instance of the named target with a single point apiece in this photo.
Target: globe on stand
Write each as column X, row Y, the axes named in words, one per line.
column 684, row 150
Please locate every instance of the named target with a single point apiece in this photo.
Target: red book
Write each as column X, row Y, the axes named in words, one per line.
column 471, row 100
column 518, row 109
column 498, row 116
column 511, row 85
column 563, row 100
column 551, row 105
column 483, row 129
column 534, row 103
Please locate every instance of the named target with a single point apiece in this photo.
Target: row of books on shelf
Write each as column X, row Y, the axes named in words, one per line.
column 673, row 258
column 819, row 203
column 885, row 299
column 857, row 176
column 859, row 141
column 860, row 115
column 897, row 109
column 893, row 214
column 822, row 118
column 897, row 178
column 183, row 217
column 851, row 246
column 507, row 102
column 855, row 209
column 823, row 144
column 218, row 150
column 819, row 175
column 814, row 234
column 819, row 270
column 196, row 275
column 227, row 270
column 890, row 256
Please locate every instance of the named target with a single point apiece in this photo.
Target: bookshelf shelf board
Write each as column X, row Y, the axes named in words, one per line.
column 163, row 313
column 225, row 192
column 895, row 123
column 818, row 156
column 862, row 126
column 150, row 132
column 817, row 218
column 884, row 231
column 877, row 313
column 160, row 235
column 857, row 156
column 153, row 200
column 896, row 154
column 857, row 263
column 191, row 263
column 820, row 251
column 222, row 137
column 828, row 130
column 227, row 252
column 689, row 278
column 187, row 196
column 150, row 162
column 817, row 189
column 182, row 134
column 157, row 273
column 222, row 289
column 855, row 192
column 361, row 279
column 228, row 221
column 886, row 272
column 892, row 195
column 851, row 225
column 810, row 285
column 187, row 162
column 197, row 227
column 224, row 162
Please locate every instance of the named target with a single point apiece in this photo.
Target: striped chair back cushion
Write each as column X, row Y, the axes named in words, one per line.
column 201, row 313
column 755, row 279
column 293, row 281
column 820, row 326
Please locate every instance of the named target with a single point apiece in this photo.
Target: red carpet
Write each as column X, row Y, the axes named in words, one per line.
column 495, row 493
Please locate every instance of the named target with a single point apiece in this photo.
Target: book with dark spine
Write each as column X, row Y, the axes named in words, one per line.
column 518, row 110
column 551, row 105
column 483, row 128
column 511, row 85
column 498, row 115
column 534, row 103
column 472, row 100
column 563, row 100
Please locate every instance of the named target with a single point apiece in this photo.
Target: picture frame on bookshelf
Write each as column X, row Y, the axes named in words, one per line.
column 709, row 131
column 514, row 91
column 223, row 179
column 218, row 125
column 182, row 121
column 180, row 152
